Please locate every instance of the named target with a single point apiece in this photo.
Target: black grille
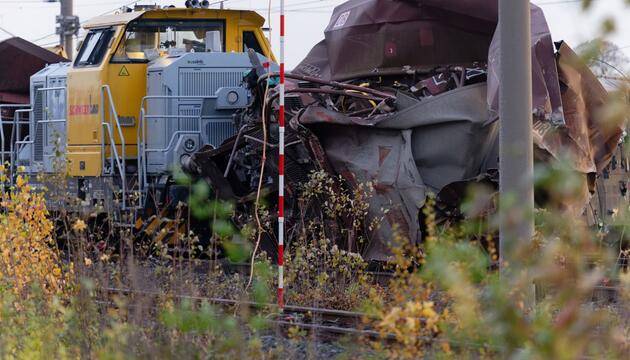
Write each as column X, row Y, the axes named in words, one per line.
column 293, row 102
column 38, row 115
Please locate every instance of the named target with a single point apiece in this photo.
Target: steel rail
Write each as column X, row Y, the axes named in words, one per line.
column 324, row 315
column 223, row 301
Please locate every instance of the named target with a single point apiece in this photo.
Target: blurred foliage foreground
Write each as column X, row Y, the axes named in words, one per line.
column 446, row 298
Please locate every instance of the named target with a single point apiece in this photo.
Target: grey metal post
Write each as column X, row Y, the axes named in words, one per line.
column 515, row 138
column 66, row 36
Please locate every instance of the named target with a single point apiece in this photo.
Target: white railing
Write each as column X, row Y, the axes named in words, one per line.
column 3, row 152
column 16, row 145
column 30, row 139
column 143, row 182
column 115, row 158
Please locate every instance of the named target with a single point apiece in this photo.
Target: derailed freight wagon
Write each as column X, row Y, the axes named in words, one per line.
column 404, row 95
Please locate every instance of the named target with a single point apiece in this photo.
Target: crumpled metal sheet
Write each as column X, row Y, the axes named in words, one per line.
column 420, row 148
column 593, row 136
column 366, row 38
column 546, row 100
column 375, row 37
column 452, row 137
column 362, row 39
column 415, row 116
column 384, row 157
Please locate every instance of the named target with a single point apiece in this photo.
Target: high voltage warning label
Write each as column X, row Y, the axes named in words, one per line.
column 123, row 72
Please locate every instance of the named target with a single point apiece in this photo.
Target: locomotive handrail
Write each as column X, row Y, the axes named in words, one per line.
column 141, row 135
column 113, row 115
column 15, row 139
column 142, row 177
column 27, row 142
column 16, row 144
column 3, row 122
column 24, row 142
column 172, row 140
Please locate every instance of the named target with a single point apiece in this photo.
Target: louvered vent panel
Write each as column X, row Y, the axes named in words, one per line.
column 38, row 114
column 189, row 123
column 206, row 83
column 219, row 131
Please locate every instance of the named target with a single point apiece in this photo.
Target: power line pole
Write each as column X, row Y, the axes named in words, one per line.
column 516, row 160
column 68, row 26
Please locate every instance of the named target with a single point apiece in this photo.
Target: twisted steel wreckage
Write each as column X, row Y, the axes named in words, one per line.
column 404, row 94
column 400, row 94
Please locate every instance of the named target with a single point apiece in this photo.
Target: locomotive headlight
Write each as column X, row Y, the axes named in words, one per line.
column 189, row 145
column 232, row 97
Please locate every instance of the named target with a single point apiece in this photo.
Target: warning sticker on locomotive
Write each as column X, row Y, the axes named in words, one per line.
column 123, row 71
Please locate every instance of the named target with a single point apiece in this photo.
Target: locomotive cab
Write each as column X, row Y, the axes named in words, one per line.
column 109, row 76
column 146, row 90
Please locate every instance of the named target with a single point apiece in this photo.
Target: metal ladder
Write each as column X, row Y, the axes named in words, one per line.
column 115, row 159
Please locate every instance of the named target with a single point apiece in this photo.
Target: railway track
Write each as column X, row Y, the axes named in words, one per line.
column 326, row 323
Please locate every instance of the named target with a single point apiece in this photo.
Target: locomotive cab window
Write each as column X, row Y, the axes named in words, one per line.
column 94, row 47
column 251, row 42
column 148, row 39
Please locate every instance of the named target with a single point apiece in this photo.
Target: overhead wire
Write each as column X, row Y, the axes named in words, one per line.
column 6, row 31
column 43, row 37
column 612, row 67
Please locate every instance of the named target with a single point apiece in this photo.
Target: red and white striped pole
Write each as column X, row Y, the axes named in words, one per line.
column 281, row 168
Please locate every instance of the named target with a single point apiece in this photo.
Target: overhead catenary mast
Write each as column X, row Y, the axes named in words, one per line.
column 67, row 25
column 515, row 139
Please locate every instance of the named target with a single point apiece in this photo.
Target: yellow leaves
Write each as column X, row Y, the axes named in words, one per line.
column 20, row 181
column 427, row 310
column 87, row 262
column 79, row 225
column 390, row 319
column 446, row 348
column 409, row 317
column 411, row 324
column 26, row 255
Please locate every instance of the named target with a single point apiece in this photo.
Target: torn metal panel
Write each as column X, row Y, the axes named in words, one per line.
column 594, row 136
column 385, row 158
column 450, row 133
column 546, row 100
column 371, row 38
column 422, row 147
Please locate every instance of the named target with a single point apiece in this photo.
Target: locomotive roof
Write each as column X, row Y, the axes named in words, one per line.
column 173, row 13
